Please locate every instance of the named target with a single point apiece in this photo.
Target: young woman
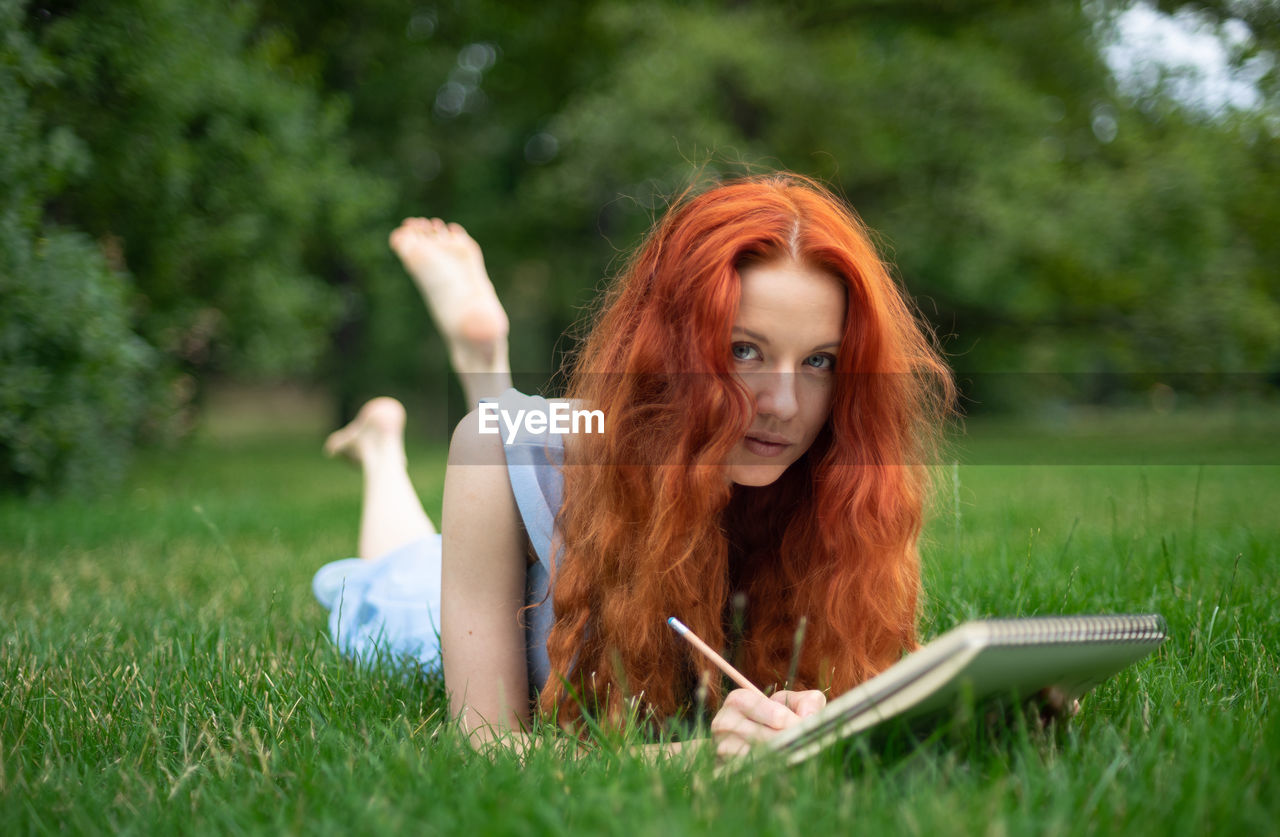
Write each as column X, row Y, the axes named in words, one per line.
column 767, row 399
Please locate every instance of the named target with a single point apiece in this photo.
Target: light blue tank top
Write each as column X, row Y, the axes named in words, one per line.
column 534, row 465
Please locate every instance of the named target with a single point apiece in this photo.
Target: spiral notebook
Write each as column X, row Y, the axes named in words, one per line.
column 985, row 659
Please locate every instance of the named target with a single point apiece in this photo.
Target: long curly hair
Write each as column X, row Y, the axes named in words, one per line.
column 651, row 527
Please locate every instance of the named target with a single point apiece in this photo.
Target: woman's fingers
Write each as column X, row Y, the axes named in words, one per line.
column 803, row 704
column 748, row 710
column 765, row 712
column 747, row 718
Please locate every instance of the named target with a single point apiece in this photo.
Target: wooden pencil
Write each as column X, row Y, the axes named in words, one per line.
column 720, row 662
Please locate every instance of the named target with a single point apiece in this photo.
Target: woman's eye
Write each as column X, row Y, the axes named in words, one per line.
column 821, row 361
column 745, row 351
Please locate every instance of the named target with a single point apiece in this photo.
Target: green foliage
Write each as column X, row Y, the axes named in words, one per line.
column 1045, row 221
column 75, row 380
column 448, row 102
column 225, row 181
column 239, row 168
column 166, row 183
column 74, row 377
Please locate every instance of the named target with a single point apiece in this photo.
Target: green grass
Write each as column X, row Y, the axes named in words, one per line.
column 164, row 667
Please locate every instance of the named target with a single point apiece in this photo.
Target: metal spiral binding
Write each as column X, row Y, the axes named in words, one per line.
column 1041, row 630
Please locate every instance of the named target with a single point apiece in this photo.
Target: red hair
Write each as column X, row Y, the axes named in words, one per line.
column 650, row 526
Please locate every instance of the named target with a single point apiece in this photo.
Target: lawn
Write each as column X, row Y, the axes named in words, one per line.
column 165, row 667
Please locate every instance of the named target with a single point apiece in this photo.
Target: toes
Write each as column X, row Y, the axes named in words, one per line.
column 341, row 442
column 428, row 227
column 408, row 229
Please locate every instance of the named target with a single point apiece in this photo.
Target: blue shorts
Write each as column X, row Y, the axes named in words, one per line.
column 388, row 607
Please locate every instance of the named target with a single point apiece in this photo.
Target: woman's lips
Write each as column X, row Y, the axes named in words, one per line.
column 767, row 446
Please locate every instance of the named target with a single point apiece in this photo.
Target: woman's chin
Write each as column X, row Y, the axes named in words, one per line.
column 754, row 476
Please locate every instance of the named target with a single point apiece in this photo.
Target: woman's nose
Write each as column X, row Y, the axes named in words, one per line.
column 776, row 394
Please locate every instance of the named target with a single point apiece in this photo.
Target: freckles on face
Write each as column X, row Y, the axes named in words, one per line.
column 786, row 337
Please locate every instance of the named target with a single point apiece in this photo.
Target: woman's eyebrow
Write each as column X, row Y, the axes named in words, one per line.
column 760, row 338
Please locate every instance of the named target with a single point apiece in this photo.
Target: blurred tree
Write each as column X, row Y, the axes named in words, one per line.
column 225, row 182
column 1045, row 221
column 1033, row 210
column 450, row 102
column 225, row 210
column 75, row 380
column 241, row 168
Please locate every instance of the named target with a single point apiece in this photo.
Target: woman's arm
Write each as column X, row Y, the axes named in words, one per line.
column 485, row 549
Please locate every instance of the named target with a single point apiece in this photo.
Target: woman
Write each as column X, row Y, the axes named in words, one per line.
column 767, row 397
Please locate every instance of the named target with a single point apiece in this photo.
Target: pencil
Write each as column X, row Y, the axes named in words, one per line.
column 721, row 662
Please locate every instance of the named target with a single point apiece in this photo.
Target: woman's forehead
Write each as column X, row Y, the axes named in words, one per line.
column 783, row 297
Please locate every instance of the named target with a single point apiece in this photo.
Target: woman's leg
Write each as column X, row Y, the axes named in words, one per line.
column 447, row 266
column 391, row 515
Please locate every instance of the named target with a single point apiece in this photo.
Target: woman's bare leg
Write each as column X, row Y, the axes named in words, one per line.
column 447, row 266
column 391, row 515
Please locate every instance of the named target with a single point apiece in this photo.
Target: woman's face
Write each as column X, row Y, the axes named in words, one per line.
column 785, row 340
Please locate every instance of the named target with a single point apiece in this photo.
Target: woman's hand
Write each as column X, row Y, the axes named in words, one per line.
column 746, row 718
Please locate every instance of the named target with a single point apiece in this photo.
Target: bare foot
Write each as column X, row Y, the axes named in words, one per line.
column 447, row 266
column 377, row 429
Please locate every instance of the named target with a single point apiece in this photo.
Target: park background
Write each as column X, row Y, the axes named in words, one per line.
column 195, row 196
column 195, row 285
